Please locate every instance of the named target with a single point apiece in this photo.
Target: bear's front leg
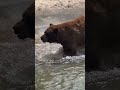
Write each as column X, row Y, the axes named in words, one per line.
column 69, row 51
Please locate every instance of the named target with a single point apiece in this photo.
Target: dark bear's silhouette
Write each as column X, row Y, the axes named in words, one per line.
column 26, row 27
column 102, row 34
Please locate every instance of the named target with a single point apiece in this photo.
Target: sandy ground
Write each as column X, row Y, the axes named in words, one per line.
column 56, row 11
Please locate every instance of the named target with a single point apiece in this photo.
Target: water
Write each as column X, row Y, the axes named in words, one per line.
column 53, row 72
column 103, row 80
column 15, row 67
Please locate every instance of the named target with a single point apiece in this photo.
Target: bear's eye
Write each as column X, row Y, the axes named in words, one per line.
column 47, row 34
column 50, row 35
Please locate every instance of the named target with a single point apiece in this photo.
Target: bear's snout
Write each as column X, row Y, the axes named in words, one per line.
column 44, row 38
column 16, row 29
column 19, row 30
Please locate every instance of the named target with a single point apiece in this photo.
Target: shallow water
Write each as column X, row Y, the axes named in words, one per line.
column 53, row 72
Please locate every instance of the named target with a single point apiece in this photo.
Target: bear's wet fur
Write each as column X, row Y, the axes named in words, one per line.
column 71, row 35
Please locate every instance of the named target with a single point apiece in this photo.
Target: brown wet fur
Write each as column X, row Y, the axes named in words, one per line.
column 71, row 35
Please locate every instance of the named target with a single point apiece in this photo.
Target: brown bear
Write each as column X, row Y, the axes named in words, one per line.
column 71, row 35
column 26, row 27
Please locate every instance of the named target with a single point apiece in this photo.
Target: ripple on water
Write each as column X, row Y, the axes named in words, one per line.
column 62, row 77
column 53, row 72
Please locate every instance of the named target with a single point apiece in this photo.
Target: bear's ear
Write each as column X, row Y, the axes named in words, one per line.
column 51, row 24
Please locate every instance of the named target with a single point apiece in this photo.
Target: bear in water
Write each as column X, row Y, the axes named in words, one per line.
column 71, row 35
column 26, row 27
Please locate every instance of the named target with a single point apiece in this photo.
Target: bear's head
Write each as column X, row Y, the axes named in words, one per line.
column 50, row 35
